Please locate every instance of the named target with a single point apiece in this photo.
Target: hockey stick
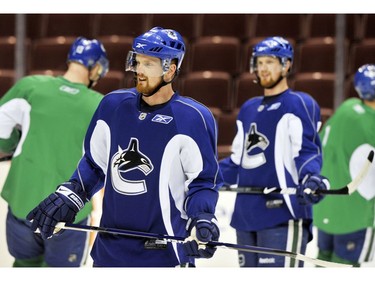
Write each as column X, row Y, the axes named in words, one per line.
column 346, row 190
column 167, row 238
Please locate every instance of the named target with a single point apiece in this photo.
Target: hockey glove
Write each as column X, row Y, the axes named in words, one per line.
column 60, row 206
column 201, row 229
column 308, row 191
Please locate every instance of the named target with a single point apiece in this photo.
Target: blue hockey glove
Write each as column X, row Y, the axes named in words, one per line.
column 201, row 229
column 60, row 206
column 308, row 191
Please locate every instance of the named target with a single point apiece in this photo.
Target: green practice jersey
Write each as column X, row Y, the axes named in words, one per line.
column 43, row 121
column 347, row 138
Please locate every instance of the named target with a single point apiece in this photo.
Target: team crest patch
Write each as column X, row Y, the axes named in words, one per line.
column 125, row 165
column 164, row 119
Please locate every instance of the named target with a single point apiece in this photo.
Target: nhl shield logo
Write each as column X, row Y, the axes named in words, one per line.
column 142, row 116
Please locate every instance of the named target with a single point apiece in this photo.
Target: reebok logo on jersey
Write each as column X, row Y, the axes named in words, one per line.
column 266, row 260
column 164, row 119
column 274, row 106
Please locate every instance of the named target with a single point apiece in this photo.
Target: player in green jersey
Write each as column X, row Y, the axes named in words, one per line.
column 346, row 223
column 43, row 121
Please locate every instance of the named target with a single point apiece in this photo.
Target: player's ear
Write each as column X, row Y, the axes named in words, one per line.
column 172, row 69
column 171, row 72
column 286, row 68
column 95, row 72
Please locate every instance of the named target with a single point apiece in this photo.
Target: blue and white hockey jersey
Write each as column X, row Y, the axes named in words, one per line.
column 277, row 144
column 159, row 168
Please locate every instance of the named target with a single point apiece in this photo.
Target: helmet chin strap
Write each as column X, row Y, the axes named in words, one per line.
column 90, row 84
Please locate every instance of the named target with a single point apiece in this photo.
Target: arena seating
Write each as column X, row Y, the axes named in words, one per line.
column 219, row 44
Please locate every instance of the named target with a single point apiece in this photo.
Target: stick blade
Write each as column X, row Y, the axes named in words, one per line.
column 352, row 186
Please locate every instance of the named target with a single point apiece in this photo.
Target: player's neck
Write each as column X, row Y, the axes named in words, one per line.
column 370, row 103
column 277, row 89
column 162, row 96
column 77, row 74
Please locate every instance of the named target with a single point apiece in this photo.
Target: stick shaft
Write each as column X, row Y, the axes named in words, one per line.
column 246, row 248
column 289, row 190
column 345, row 190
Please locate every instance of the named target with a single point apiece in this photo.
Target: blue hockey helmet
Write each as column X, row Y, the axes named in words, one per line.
column 166, row 44
column 364, row 82
column 273, row 47
column 89, row 53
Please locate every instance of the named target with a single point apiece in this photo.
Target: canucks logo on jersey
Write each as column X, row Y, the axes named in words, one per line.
column 254, row 139
column 128, row 160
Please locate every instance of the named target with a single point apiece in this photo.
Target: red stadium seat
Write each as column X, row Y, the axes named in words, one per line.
column 7, row 25
column 50, row 53
column 114, row 80
column 285, row 25
column 117, row 48
column 246, row 87
column 67, row 25
column 318, row 55
column 7, row 52
column 131, row 25
column 350, row 91
column 227, row 129
column 185, row 24
column 368, row 26
column 232, row 25
column 361, row 53
column 216, row 53
column 321, row 86
column 212, row 88
column 323, row 25
column 6, row 81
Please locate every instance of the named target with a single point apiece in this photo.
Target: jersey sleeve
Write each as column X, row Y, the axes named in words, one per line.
column 229, row 166
column 91, row 169
column 14, row 107
column 203, row 177
column 304, row 135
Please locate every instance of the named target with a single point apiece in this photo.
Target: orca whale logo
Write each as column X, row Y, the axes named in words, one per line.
column 254, row 139
column 128, row 160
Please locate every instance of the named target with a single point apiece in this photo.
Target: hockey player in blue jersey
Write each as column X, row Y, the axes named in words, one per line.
column 276, row 145
column 155, row 153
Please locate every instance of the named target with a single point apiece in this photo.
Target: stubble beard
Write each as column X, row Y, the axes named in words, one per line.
column 266, row 83
column 145, row 88
column 269, row 83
